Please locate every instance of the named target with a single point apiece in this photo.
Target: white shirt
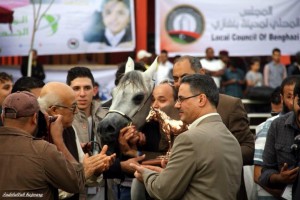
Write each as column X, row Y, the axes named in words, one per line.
column 163, row 70
column 114, row 40
column 213, row 65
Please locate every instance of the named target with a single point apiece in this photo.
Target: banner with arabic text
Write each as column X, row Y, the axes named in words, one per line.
column 68, row 27
column 244, row 28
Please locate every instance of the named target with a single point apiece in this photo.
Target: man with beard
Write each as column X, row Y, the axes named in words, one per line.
column 280, row 161
column 206, row 160
column 286, row 93
column 164, row 97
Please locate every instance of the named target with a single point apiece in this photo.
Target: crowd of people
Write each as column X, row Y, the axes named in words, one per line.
column 57, row 151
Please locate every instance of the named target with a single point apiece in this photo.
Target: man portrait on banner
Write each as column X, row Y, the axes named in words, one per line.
column 110, row 24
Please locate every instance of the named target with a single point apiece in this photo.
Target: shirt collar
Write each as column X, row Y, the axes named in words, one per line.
column 197, row 121
column 114, row 40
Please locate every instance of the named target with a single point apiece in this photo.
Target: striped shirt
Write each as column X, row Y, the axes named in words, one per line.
column 260, row 141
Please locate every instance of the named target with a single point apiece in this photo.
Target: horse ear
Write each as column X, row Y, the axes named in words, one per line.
column 129, row 65
column 151, row 70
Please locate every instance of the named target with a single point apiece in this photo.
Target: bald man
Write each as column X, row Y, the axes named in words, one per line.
column 62, row 101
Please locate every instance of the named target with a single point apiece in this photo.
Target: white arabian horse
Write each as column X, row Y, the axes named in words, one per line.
column 131, row 101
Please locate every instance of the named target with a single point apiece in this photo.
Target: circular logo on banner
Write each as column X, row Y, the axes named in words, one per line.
column 185, row 24
column 73, row 43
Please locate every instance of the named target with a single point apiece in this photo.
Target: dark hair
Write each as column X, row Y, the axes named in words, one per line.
column 297, row 57
column 203, row 84
column 254, row 60
column 164, row 51
column 79, row 72
column 290, row 80
column 194, row 61
column 275, row 96
column 121, row 70
column 5, row 77
column 208, row 48
column 27, row 83
column 224, row 53
column 276, row 50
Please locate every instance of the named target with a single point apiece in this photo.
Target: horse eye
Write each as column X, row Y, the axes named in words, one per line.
column 137, row 99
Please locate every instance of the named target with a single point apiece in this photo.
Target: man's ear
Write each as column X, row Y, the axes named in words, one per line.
column 51, row 110
column 281, row 98
column 35, row 118
column 95, row 90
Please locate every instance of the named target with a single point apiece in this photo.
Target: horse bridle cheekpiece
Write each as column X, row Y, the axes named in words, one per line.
column 130, row 119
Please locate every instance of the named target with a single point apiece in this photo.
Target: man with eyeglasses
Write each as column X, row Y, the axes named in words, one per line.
column 206, row 161
column 231, row 110
column 280, row 166
column 53, row 101
column 32, row 167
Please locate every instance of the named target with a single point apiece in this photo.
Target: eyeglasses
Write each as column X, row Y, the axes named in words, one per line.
column 73, row 108
column 182, row 99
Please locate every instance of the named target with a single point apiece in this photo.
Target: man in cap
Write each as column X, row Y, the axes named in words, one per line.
column 143, row 56
column 32, row 167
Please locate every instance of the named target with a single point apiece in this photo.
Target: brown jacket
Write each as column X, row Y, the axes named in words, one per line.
column 234, row 116
column 32, row 167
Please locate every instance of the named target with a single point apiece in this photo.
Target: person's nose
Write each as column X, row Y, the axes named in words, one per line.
column 177, row 105
column 177, row 83
column 82, row 92
column 155, row 105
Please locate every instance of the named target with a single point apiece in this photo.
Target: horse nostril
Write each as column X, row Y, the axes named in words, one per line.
column 110, row 129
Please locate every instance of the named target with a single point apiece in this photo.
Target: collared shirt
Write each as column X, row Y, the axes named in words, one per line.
column 278, row 150
column 114, row 40
column 260, row 141
column 197, row 121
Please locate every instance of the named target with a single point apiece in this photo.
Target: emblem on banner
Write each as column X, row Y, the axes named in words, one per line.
column 185, row 24
column 73, row 43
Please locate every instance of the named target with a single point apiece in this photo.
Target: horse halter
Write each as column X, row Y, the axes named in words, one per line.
column 130, row 119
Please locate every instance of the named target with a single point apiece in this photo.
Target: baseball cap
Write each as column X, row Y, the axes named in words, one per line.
column 20, row 104
column 142, row 54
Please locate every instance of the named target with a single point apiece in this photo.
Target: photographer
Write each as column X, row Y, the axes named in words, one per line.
column 32, row 167
column 53, row 101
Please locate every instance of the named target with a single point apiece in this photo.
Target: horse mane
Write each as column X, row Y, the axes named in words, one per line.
column 133, row 77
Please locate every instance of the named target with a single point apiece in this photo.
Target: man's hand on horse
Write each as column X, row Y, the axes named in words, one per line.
column 128, row 139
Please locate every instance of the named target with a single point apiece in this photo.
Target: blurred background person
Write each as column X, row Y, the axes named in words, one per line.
column 6, row 84
column 164, row 68
column 274, row 71
column 30, row 84
column 294, row 69
column 214, row 67
column 37, row 69
column 144, row 57
column 254, row 77
column 233, row 81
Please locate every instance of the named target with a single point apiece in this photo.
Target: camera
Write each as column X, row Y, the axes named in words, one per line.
column 43, row 126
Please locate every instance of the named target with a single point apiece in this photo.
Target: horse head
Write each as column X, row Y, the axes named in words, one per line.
column 131, row 100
